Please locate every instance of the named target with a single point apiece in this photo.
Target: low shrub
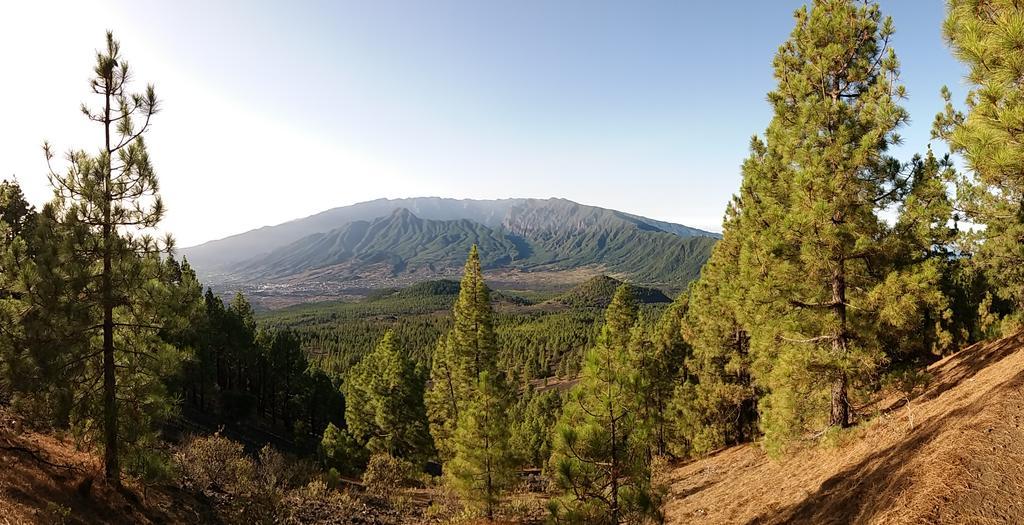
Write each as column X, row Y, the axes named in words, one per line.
column 386, row 474
column 247, row 490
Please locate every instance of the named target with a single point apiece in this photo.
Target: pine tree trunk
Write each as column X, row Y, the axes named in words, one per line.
column 615, row 478
column 840, row 402
column 451, row 394
column 614, row 471
column 112, row 468
column 487, row 449
column 662, row 441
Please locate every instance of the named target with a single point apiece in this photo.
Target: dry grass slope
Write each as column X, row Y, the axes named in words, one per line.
column 45, row 480
column 954, row 454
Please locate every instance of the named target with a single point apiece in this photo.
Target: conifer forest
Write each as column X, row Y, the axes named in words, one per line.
column 846, row 347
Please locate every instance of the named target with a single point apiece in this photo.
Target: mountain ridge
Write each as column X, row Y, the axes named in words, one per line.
column 490, row 212
column 372, row 249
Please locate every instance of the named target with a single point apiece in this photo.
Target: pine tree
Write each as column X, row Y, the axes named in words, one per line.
column 443, row 398
column 340, row 452
column 652, row 385
column 17, row 219
column 384, row 403
column 987, row 37
column 913, row 306
column 202, row 372
column 461, row 355
column 533, row 418
column 107, row 201
column 278, row 373
column 482, row 466
column 671, row 354
column 815, row 188
column 469, row 398
column 17, row 216
column 660, row 355
column 600, row 452
column 715, row 405
column 48, row 350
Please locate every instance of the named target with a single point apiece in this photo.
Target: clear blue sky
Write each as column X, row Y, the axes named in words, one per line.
column 280, row 110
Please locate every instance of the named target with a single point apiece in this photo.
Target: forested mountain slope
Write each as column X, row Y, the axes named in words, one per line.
column 952, row 454
column 597, row 292
column 404, row 242
column 388, row 243
column 216, row 255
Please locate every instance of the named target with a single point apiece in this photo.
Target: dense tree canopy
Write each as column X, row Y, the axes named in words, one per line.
column 384, row 403
column 987, row 38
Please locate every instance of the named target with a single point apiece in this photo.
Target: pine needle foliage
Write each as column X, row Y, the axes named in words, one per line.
column 101, row 285
column 987, row 37
column 17, row 218
column 384, row 404
column 600, row 460
column 836, row 113
column 812, row 293
column 461, row 355
column 483, row 465
column 469, row 399
column 715, row 404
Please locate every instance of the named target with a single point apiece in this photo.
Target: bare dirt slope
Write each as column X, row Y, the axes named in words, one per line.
column 45, row 480
column 955, row 454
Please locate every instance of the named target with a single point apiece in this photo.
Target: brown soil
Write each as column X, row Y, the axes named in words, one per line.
column 45, row 480
column 954, row 454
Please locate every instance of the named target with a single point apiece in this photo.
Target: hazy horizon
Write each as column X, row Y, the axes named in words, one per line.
column 276, row 113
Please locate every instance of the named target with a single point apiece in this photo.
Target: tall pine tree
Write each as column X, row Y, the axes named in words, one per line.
column 825, row 275
column 671, row 353
column 987, row 38
column 444, row 397
column 461, row 355
column 469, row 398
column 715, row 405
column 107, row 201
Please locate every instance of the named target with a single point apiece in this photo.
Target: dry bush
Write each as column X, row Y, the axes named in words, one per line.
column 283, row 472
column 274, row 488
column 524, row 507
column 386, row 474
column 447, row 509
column 214, row 464
column 316, row 502
column 245, row 490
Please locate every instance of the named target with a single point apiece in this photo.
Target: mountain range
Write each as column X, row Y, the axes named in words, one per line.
column 388, row 242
